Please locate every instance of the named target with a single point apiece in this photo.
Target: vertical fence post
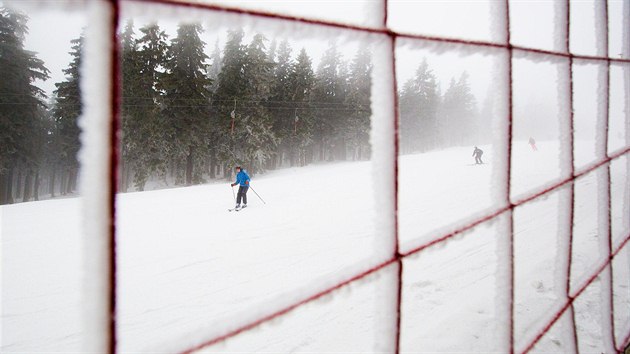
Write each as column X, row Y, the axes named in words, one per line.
column 98, row 175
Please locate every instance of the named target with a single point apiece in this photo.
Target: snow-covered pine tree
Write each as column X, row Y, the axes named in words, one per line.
column 327, row 101
column 271, row 53
column 229, row 97
column 301, row 82
column 215, row 67
column 50, row 155
column 259, row 142
column 144, row 144
column 213, row 72
column 152, row 54
column 66, row 112
column 186, row 102
column 458, row 113
column 430, row 101
column 130, row 69
column 358, row 100
column 281, row 105
column 246, row 135
column 22, row 107
column 409, row 110
column 342, row 113
column 419, row 103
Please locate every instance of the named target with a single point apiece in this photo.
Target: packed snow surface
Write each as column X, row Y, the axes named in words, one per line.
column 189, row 270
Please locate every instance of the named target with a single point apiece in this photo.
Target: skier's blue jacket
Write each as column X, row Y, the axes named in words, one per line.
column 242, row 179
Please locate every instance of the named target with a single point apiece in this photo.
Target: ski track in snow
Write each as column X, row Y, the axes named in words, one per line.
column 188, row 268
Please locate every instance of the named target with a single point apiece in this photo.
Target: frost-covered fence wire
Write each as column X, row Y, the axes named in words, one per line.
column 107, row 263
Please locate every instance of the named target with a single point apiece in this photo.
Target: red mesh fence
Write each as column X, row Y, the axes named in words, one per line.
column 398, row 257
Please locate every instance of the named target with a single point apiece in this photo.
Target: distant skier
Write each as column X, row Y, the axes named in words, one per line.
column 532, row 143
column 242, row 179
column 477, row 154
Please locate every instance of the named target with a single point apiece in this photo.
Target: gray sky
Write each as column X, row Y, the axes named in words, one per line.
column 50, row 35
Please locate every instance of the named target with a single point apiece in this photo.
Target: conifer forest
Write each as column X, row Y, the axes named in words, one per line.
column 190, row 112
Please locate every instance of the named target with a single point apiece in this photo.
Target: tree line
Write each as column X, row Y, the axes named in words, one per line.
column 430, row 120
column 188, row 117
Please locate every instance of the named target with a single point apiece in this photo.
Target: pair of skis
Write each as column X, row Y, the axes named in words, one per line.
column 239, row 209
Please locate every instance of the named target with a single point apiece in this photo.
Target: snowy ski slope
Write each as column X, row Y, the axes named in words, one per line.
column 190, row 271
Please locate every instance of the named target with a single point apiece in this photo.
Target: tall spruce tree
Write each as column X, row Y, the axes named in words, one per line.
column 52, row 151
column 229, row 98
column 22, row 107
column 271, row 53
column 282, row 107
column 130, row 68
column 66, row 112
column 144, row 143
column 301, row 82
column 419, row 105
column 409, row 110
column 358, row 100
column 459, row 112
column 215, row 68
column 327, row 100
column 187, row 102
column 245, row 134
column 213, row 71
column 343, row 113
column 256, row 141
column 152, row 55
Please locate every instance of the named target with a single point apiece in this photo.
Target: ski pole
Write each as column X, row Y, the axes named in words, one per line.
column 232, row 188
column 257, row 195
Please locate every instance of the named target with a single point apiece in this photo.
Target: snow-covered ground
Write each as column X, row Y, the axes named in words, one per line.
column 190, row 270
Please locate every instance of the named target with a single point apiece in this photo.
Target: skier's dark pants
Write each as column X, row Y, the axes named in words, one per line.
column 478, row 159
column 242, row 193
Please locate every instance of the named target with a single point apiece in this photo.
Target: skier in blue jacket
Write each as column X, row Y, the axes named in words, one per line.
column 242, row 179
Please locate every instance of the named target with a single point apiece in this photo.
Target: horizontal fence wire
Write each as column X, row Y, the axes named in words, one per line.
column 365, row 29
column 523, row 200
column 293, row 306
column 399, row 256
